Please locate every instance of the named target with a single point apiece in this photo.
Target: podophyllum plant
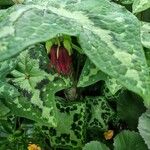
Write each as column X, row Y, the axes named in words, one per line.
column 74, row 74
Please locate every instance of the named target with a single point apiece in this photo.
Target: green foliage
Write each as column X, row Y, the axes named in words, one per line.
column 113, row 85
column 140, row 5
column 19, row 138
column 147, row 54
column 90, row 74
column 6, row 2
column 129, row 140
column 145, row 34
column 126, row 1
column 144, row 123
column 71, row 125
column 105, row 43
column 6, row 67
column 99, row 112
column 107, row 90
column 8, row 91
column 3, row 110
column 34, row 82
column 129, row 108
column 95, row 145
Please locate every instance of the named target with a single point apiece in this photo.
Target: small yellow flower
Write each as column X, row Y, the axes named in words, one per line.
column 33, row 147
column 108, row 134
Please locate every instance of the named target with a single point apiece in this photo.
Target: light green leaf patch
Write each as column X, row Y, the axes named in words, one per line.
column 8, row 91
column 145, row 34
column 126, row 1
column 140, row 5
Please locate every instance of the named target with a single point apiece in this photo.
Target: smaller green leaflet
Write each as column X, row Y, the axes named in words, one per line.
column 90, row 74
column 140, row 5
column 37, row 86
column 71, row 124
column 98, row 112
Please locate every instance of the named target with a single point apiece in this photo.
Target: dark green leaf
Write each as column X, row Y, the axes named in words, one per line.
column 129, row 108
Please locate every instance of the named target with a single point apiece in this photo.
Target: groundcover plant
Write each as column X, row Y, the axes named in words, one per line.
column 74, row 74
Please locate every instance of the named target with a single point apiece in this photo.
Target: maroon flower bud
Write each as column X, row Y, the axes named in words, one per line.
column 60, row 60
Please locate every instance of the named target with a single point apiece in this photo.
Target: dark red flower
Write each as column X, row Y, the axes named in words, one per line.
column 60, row 60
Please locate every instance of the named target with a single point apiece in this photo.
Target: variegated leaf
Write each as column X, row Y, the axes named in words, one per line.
column 113, row 85
column 98, row 112
column 90, row 74
column 71, row 125
column 104, row 35
column 8, row 91
column 37, row 86
column 140, row 5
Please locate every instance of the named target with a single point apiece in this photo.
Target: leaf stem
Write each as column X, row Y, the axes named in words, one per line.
column 77, row 48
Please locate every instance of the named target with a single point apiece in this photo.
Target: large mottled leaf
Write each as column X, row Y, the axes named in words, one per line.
column 129, row 140
column 140, row 5
column 95, row 145
column 71, row 125
column 104, row 35
column 99, row 112
column 145, row 34
column 37, row 86
column 90, row 74
column 144, row 127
